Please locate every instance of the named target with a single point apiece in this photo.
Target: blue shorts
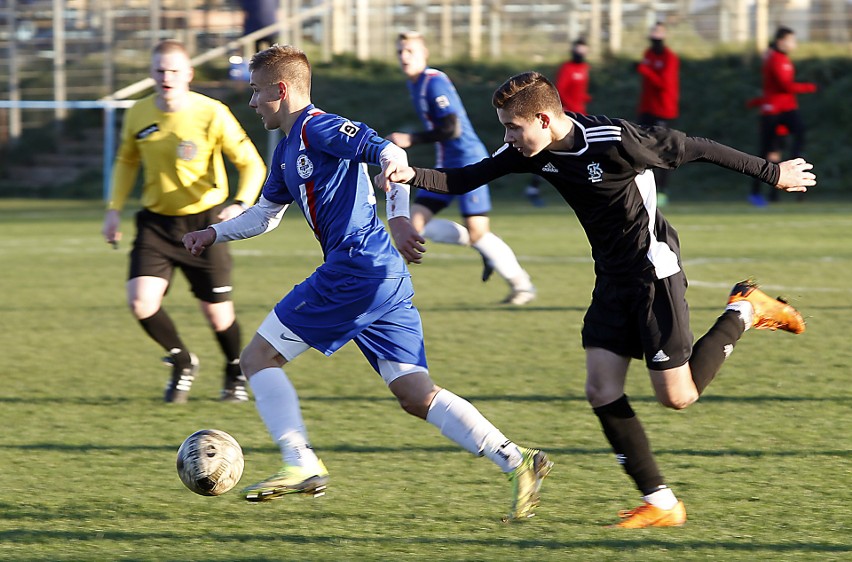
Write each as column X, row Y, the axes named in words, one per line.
column 476, row 202
column 329, row 309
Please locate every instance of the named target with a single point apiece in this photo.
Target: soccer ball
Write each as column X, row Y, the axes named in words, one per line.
column 210, row 462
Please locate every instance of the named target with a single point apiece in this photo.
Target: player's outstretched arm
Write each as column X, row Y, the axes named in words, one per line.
column 198, row 241
column 795, row 175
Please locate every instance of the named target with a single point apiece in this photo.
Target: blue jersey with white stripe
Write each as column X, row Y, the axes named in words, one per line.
column 435, row 97
column 322, row 167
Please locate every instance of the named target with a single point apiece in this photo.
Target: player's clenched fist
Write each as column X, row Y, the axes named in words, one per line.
column 197, row 241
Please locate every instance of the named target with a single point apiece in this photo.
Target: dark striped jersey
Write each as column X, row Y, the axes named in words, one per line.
column 607, row 180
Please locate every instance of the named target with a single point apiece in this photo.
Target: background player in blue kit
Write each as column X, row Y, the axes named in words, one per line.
column 456, row 143
column 361, row 292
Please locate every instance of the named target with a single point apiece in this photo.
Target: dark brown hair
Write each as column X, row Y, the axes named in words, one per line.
column 526, row 94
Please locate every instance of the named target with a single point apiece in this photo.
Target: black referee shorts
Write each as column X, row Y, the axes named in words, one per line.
column 638, row 318
column 158, row 250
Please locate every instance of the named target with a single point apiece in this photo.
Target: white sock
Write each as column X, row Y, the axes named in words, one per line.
column 461, row 422
column 278, row 405
column 663, row 498
column 444, row 231
column 503, row 260
column 746, row 311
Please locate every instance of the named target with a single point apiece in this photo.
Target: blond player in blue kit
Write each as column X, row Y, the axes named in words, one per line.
column 362, row 291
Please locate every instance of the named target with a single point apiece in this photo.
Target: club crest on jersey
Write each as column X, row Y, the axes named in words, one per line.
column 304, row 166
column 187, row 150
column 595, row 172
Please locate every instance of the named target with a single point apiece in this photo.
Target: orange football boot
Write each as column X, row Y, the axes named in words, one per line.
column 648, row 515
column 769, row 313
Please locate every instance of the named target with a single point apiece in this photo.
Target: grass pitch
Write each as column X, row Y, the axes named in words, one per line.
column 87, row 459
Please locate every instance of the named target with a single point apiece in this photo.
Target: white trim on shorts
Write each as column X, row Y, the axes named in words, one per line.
column 290, row 346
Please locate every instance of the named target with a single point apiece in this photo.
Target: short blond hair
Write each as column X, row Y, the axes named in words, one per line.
column 169, row 46
column 410, row 35
column 284, row 63
column 527, row 94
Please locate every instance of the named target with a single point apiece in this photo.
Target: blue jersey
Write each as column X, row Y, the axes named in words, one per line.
column 322, row 167
column 434, row 98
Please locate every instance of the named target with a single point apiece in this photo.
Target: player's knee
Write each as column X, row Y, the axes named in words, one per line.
column 417, row 407
column 141, row 308
column 599, row 394
column 677, row 401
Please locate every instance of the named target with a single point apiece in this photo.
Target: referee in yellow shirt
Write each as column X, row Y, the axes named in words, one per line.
column 178, row 137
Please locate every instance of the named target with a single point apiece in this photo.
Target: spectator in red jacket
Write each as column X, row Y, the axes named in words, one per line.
column 572, row 82
column 572, row 79
column 659, row 103
column 779, row 108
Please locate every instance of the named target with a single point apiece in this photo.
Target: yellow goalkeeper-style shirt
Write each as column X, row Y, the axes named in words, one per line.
column 181, row 156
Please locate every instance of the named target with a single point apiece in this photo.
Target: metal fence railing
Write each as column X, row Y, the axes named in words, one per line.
column 106, row 42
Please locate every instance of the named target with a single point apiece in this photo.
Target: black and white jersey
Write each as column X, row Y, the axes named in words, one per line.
column 607, row 179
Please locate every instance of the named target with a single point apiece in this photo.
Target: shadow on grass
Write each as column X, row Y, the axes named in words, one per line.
column 25, row 536
column 373, row 448
column 541, row 398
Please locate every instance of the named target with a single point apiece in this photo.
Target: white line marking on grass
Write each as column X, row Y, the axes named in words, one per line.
column 772, row 287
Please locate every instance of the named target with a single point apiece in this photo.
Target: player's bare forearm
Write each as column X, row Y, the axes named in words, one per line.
column 407, row 240
column 795, row 175
column 402, row 140
column 198, row 241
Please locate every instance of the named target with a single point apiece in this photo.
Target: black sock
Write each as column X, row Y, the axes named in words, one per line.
column 630, row 444
column 163, row 331
column 713, row 348
column 229, row 341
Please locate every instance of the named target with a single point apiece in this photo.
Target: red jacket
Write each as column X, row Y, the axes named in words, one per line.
column 779, row 86
column 572, row 82
column 660, row 84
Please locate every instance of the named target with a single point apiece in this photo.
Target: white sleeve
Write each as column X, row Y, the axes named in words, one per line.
column 258, row 219
column 397, row 203
column 397, row 198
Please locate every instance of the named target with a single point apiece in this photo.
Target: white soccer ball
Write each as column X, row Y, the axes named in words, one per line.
column 210, row 462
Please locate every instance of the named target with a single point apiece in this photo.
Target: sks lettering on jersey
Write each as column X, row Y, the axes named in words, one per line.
column 304, row 166
column 595, row 172
column 147, row 131
column 187, row 150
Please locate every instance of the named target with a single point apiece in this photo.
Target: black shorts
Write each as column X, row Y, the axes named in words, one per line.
column 159, row 248
column 641, row 318
column 771, row 141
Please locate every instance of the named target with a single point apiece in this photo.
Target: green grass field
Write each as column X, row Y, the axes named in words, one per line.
column 87, row 458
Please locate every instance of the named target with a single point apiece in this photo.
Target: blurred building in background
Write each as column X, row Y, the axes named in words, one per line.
column 93, row 49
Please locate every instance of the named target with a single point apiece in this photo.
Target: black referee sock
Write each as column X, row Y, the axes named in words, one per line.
column 630, row 444
column 229, row 341
column 713, row 348
column 163, row 331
